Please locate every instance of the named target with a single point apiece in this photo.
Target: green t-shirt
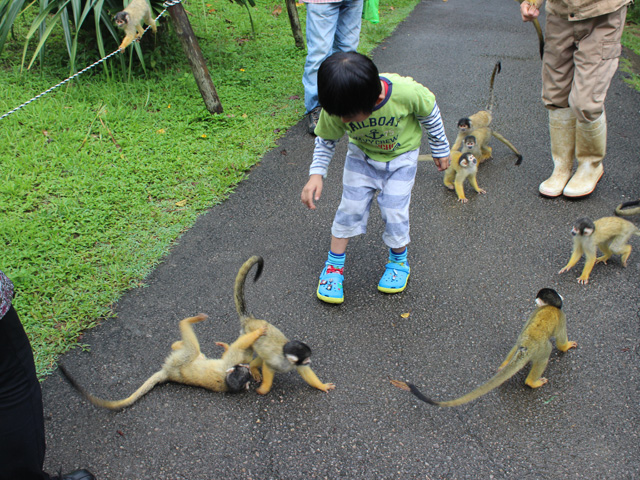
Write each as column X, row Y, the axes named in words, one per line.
column 393, row 127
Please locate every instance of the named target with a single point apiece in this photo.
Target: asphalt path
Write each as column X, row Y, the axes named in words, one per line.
column 476, row 268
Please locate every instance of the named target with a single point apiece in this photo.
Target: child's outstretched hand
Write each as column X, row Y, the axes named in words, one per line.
column 311, row 191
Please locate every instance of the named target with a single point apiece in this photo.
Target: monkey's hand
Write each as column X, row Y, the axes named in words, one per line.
column 482, row 190
column 255, row 373
column 537, row 383
column 567, row 346
column 565, row 269
column 263, row 330
column 325, row 387
column 312, row 191
column 463, row 199
column 223, row 345
column 583, row 279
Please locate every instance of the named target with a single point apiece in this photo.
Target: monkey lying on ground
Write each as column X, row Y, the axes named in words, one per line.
column 186, row 364
column 609, row 234
column 533, row 345
column 623, row 209
column 130, row 20
column 274, row 352
column 462, row 166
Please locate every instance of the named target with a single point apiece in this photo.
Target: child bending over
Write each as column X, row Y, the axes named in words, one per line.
column 382, row 114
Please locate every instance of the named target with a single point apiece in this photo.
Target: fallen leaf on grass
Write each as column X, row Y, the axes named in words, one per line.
column 405, row 315
column 181, row 203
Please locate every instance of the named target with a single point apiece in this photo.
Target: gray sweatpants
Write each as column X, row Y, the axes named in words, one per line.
column 362, row 178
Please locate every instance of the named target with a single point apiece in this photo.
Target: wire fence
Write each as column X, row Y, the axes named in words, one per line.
column 166, row 5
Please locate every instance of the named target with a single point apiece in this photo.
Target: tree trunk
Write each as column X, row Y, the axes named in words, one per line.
column 295, row 22
column 196, row 60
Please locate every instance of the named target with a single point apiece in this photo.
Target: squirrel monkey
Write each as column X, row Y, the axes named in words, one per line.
column 130, row 20
column 274, row 352
column 186, row 364
column 474, row 132
column 609, row 234
column 623, row 209
column 462, row 166
column 483, row 118
column 533, row 345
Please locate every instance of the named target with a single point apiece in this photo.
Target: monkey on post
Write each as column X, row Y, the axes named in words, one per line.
column 274, row 352
column 462, row 166
column 609, row 234
column 533, row 345
column 186, row 364
column 130, row 20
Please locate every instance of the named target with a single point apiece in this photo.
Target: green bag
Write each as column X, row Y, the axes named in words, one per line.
column 370, row 11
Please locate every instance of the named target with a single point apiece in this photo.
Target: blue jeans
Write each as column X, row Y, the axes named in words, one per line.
column 331, row 27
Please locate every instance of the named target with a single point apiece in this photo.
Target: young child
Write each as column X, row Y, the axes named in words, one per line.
column 382, row 116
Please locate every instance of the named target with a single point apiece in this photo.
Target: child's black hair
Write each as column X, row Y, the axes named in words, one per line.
column 348, row 84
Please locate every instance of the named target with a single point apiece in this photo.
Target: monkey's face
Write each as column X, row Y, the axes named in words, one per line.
column 464, row 124
column 548, row 296
column 238, row 378
column 298, row 353
column 584, row 227
column 121, row 19
column 468, row 161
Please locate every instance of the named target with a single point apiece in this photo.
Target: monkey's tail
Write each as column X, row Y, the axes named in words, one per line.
column 496, row 69
column 155, row 379
column 514, row 366
column 238, row 291
column 508, row 144
column 623, row 209
column 536, row 24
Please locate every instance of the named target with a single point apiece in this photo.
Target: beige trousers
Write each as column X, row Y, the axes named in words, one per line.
column 580, row 59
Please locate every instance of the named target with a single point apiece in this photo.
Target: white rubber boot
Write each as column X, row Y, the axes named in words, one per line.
column 562, row 131
column 591, row 147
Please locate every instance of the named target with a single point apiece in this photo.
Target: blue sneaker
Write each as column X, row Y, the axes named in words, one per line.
column 330, row 284
column 395, row 277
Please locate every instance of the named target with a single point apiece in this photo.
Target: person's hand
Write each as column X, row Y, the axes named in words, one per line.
column 311, row 191
column 529, row 12
column 442, row 163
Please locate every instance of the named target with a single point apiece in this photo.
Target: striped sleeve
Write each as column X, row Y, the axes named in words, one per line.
column 436, row 135
column 322, row 155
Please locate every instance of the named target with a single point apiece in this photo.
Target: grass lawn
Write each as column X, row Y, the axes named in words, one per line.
column 100, row 177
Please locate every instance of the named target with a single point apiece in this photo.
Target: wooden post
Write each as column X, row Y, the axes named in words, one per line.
column 295, row 22
column 196, row 60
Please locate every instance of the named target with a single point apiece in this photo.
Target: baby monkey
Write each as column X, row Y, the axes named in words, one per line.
column 609, row 234
column 186, row 364
column 533, row 345
column 130, row 20
column 462, row 166
column 274, row 352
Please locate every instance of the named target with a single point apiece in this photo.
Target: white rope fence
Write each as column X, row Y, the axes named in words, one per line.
column 166, row 5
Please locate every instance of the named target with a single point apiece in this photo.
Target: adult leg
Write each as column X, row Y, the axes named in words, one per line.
column 347, row 36
column 557, row 79
column 22, row 441
column 596, row 61
column 322, row 21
